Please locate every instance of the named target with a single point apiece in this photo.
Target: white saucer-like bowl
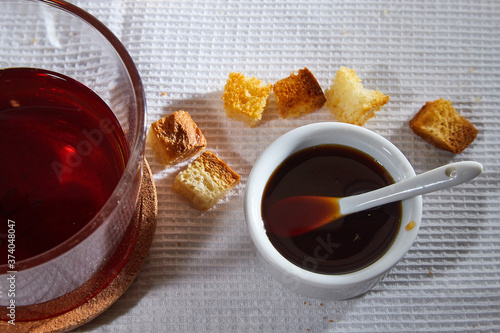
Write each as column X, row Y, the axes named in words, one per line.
column 329, row 286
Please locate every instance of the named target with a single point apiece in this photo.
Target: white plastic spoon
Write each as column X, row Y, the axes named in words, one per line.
column 299, row 214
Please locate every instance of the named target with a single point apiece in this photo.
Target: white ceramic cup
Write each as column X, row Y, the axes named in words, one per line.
column 305, row 282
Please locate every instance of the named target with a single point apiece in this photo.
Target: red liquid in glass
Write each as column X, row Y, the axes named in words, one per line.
column 62, row 153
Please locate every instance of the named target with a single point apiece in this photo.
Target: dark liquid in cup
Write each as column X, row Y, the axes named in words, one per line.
column 350, row 243
column 62, row 153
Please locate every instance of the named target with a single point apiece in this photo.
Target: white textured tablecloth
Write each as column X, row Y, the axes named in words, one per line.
column 202, row 274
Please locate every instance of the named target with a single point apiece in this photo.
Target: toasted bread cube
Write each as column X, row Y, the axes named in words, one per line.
column 298, row 94
column 245, row 98
column 440, row 124
column 349, row 101
column 206, row 180
column 175, row 138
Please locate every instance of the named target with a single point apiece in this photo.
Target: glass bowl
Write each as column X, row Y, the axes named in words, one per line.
column 60, row 37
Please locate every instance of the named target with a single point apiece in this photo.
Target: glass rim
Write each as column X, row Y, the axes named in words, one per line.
column 137, row 149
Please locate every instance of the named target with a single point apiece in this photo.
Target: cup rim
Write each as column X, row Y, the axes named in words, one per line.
column 135, row 159
column 303, row 137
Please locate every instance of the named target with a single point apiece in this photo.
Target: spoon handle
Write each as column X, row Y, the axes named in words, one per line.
column 433, row 180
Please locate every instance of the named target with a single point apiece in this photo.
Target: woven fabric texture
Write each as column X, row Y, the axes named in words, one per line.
column 203, row 273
